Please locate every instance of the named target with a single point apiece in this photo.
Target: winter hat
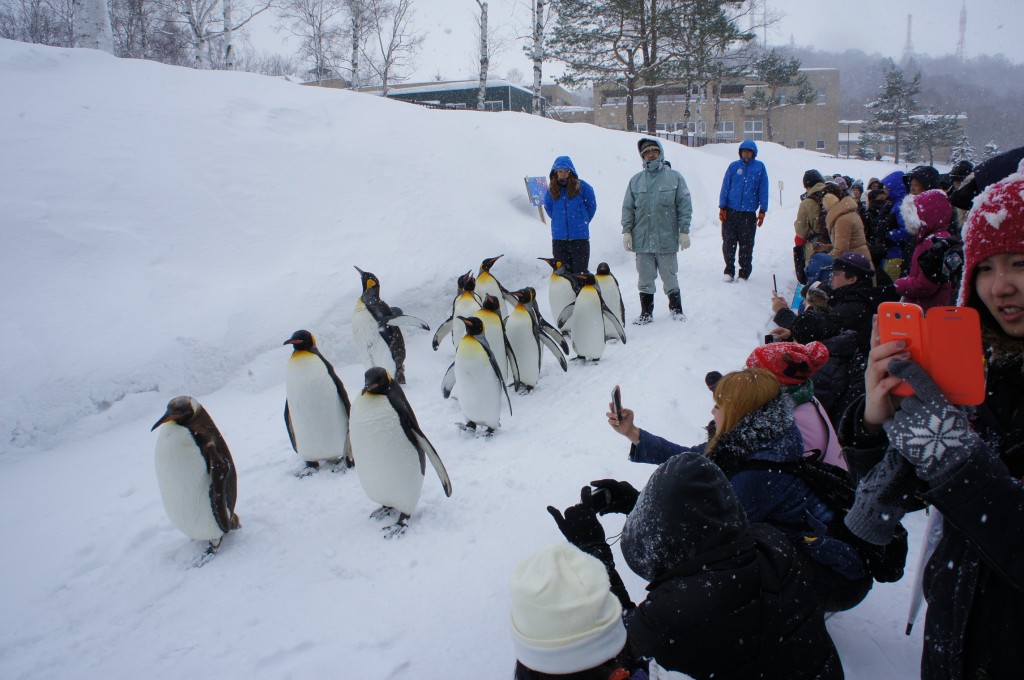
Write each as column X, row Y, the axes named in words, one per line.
column 841, row 183
column 961, row 170
column 853, row 263
column 564, row 617
column 812, row 177
column 817, row 294
column 711, row 379
column 929, row 211
column 876, row 195
column 995, row 226
column 645, row 144
column 986, row 173
column 857, row 185
column 790, row 362
column 925, row 174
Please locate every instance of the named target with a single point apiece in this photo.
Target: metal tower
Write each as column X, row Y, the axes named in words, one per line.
column 908, row 49
column 961, row 45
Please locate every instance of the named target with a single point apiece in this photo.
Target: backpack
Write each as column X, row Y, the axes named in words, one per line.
column 834, row 486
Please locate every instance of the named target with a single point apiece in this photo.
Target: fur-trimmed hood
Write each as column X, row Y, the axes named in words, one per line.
column 769, row 433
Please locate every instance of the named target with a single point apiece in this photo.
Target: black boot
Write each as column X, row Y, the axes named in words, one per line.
column 799, row 264
column 675, row 306
column 646, row 310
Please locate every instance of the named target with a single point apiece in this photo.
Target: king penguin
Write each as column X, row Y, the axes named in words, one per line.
column 525, row 336
column 196, row 473
column 612, row 296
column 479, row 378
column 316, row 407
column 392, row 449
column 486, row 285
column 466, row 303
column 589, row 314
column 375, row 331
column 562, row 290
column 497, row 340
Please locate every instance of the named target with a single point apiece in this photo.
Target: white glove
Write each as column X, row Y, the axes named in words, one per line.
column 684, row 241
column 627, row 241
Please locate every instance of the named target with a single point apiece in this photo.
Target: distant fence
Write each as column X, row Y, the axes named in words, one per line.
column 690, row 139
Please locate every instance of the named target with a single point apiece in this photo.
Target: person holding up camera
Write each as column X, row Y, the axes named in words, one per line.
column 967, row 463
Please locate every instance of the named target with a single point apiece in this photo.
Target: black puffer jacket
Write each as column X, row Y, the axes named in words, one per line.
column 850, row 308
column 725, row 600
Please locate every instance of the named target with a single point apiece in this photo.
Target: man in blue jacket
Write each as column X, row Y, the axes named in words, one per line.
column 570, row 203
column 741, row 208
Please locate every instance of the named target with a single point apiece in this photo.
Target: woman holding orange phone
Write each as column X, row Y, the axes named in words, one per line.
column 967, row 462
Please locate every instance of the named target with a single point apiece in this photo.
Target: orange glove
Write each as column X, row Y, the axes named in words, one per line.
column 760, row 218
column 721, row 214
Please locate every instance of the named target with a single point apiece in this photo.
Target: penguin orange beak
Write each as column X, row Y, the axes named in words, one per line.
column 467, row 321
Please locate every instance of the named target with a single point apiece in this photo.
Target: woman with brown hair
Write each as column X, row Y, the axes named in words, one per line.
column 754, row 428
column 570, row 203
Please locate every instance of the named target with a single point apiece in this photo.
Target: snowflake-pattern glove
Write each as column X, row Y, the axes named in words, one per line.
column 883, row 496
column 684, row 241
column 931, row 433
column 627, row 241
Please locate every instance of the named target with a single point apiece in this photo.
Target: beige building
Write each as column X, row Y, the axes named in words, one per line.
column 797, row 126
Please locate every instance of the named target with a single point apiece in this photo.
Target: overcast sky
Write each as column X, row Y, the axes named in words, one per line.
column 993, row 27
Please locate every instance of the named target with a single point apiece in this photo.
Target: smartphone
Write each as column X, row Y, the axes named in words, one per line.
column 600, row 498
column 769, row 339
column 945, row 342
column 617, row 401
column 775, row 286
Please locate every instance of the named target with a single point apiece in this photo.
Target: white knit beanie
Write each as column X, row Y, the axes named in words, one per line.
column 565, row 618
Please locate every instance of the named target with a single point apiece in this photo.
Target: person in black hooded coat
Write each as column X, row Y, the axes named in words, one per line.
column 725, row 600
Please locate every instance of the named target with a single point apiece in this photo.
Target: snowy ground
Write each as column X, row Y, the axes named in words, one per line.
column 165, row 230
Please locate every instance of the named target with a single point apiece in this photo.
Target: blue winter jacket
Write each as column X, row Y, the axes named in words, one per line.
column 893, row 182
column 745, row 185
column 570, row 217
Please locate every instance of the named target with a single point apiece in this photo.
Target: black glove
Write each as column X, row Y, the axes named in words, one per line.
column 941, row 260
column 581, row 527
column 610, row 495
column 799, row 264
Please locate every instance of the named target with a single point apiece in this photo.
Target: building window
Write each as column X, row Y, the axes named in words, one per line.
column 696, row 128
column 725, row 128
column 640, row 127
column 782, row 100
column 820, row 145
column 661, row 126
column 889, row 148
column 800, row 144
column 753, row 129
column 821, row 96
column 496, row 105
column 460, row 105
column 842, row 149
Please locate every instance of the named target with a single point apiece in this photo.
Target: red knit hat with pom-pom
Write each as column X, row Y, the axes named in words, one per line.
column 790, row 362
column 995, row 226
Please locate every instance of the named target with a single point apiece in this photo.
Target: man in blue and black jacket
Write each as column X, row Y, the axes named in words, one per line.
column 742, row 205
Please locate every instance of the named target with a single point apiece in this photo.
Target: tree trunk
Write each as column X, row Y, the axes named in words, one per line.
column 538, row 54
column 92, row 25
column 481, row 96
column 718, row 108
column 357, row 31
column 229, row 36
column 652, row 112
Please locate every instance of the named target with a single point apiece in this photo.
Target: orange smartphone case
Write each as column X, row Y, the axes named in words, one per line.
column 946, row 342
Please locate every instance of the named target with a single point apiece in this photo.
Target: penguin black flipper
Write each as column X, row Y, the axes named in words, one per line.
column 554, row 349
column 566, row 314
column 406, row 416
column 444, row 330
column 288, row 426
column 510, row 355
column 407, row 320
column 622, row 305
column 343, row 395
column 494, row 365
column 546, row 328
column 448, row 382
column 609, row 315
column 219, row 465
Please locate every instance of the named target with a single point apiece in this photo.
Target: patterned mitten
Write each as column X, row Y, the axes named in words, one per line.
column 883, row 496
column 931, row 433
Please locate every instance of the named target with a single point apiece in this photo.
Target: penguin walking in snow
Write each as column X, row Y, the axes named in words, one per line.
column 466, row 303
column 196, row 474
column 589, row 314
column 526, row 337
column 316, row 408
column 479, row 378
column 497, row 340
column 562, row 290
column 486, row 285
column 612, row 296
column 392, row 450
column 375, row 331
column 545, row 328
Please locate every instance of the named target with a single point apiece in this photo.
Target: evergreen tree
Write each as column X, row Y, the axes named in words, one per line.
column 991, row 149
column 963, row 150
column 777, row 72
column 932, row 131
column 893, row 111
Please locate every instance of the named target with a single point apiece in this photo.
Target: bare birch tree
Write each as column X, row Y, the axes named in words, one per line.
column 392, row 42
column 485, row 61
column 358, row 31
column 319, row 25
column 205, row 28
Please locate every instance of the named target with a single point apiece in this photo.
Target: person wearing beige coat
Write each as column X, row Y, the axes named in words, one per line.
column 845, row 228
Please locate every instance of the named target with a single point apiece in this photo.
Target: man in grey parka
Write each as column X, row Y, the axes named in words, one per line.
column 655, row 221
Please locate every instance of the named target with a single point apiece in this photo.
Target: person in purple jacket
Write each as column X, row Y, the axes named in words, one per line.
column 571, row 204
column 742, row 204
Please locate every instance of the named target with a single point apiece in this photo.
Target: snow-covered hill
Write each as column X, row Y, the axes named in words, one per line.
column 165, row 230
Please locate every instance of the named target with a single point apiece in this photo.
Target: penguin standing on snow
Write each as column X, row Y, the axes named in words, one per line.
column 525, row 336
column 589, row 314
column 486, row 285
column 612, row 296
column 375, row 331
column 392, row 449
column 545, row 328
column 317, row 407
column 497, row 340
column 479, row 378
column 466, row 303
column 562, row 290
column 196, row 473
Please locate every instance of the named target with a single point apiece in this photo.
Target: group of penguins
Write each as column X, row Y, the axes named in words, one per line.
column 498, row 337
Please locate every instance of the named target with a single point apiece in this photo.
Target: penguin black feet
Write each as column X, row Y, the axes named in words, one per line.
column 341, row 465
column 208, row 554
column 312, row 467
column 398, row 528
column 383, row 512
